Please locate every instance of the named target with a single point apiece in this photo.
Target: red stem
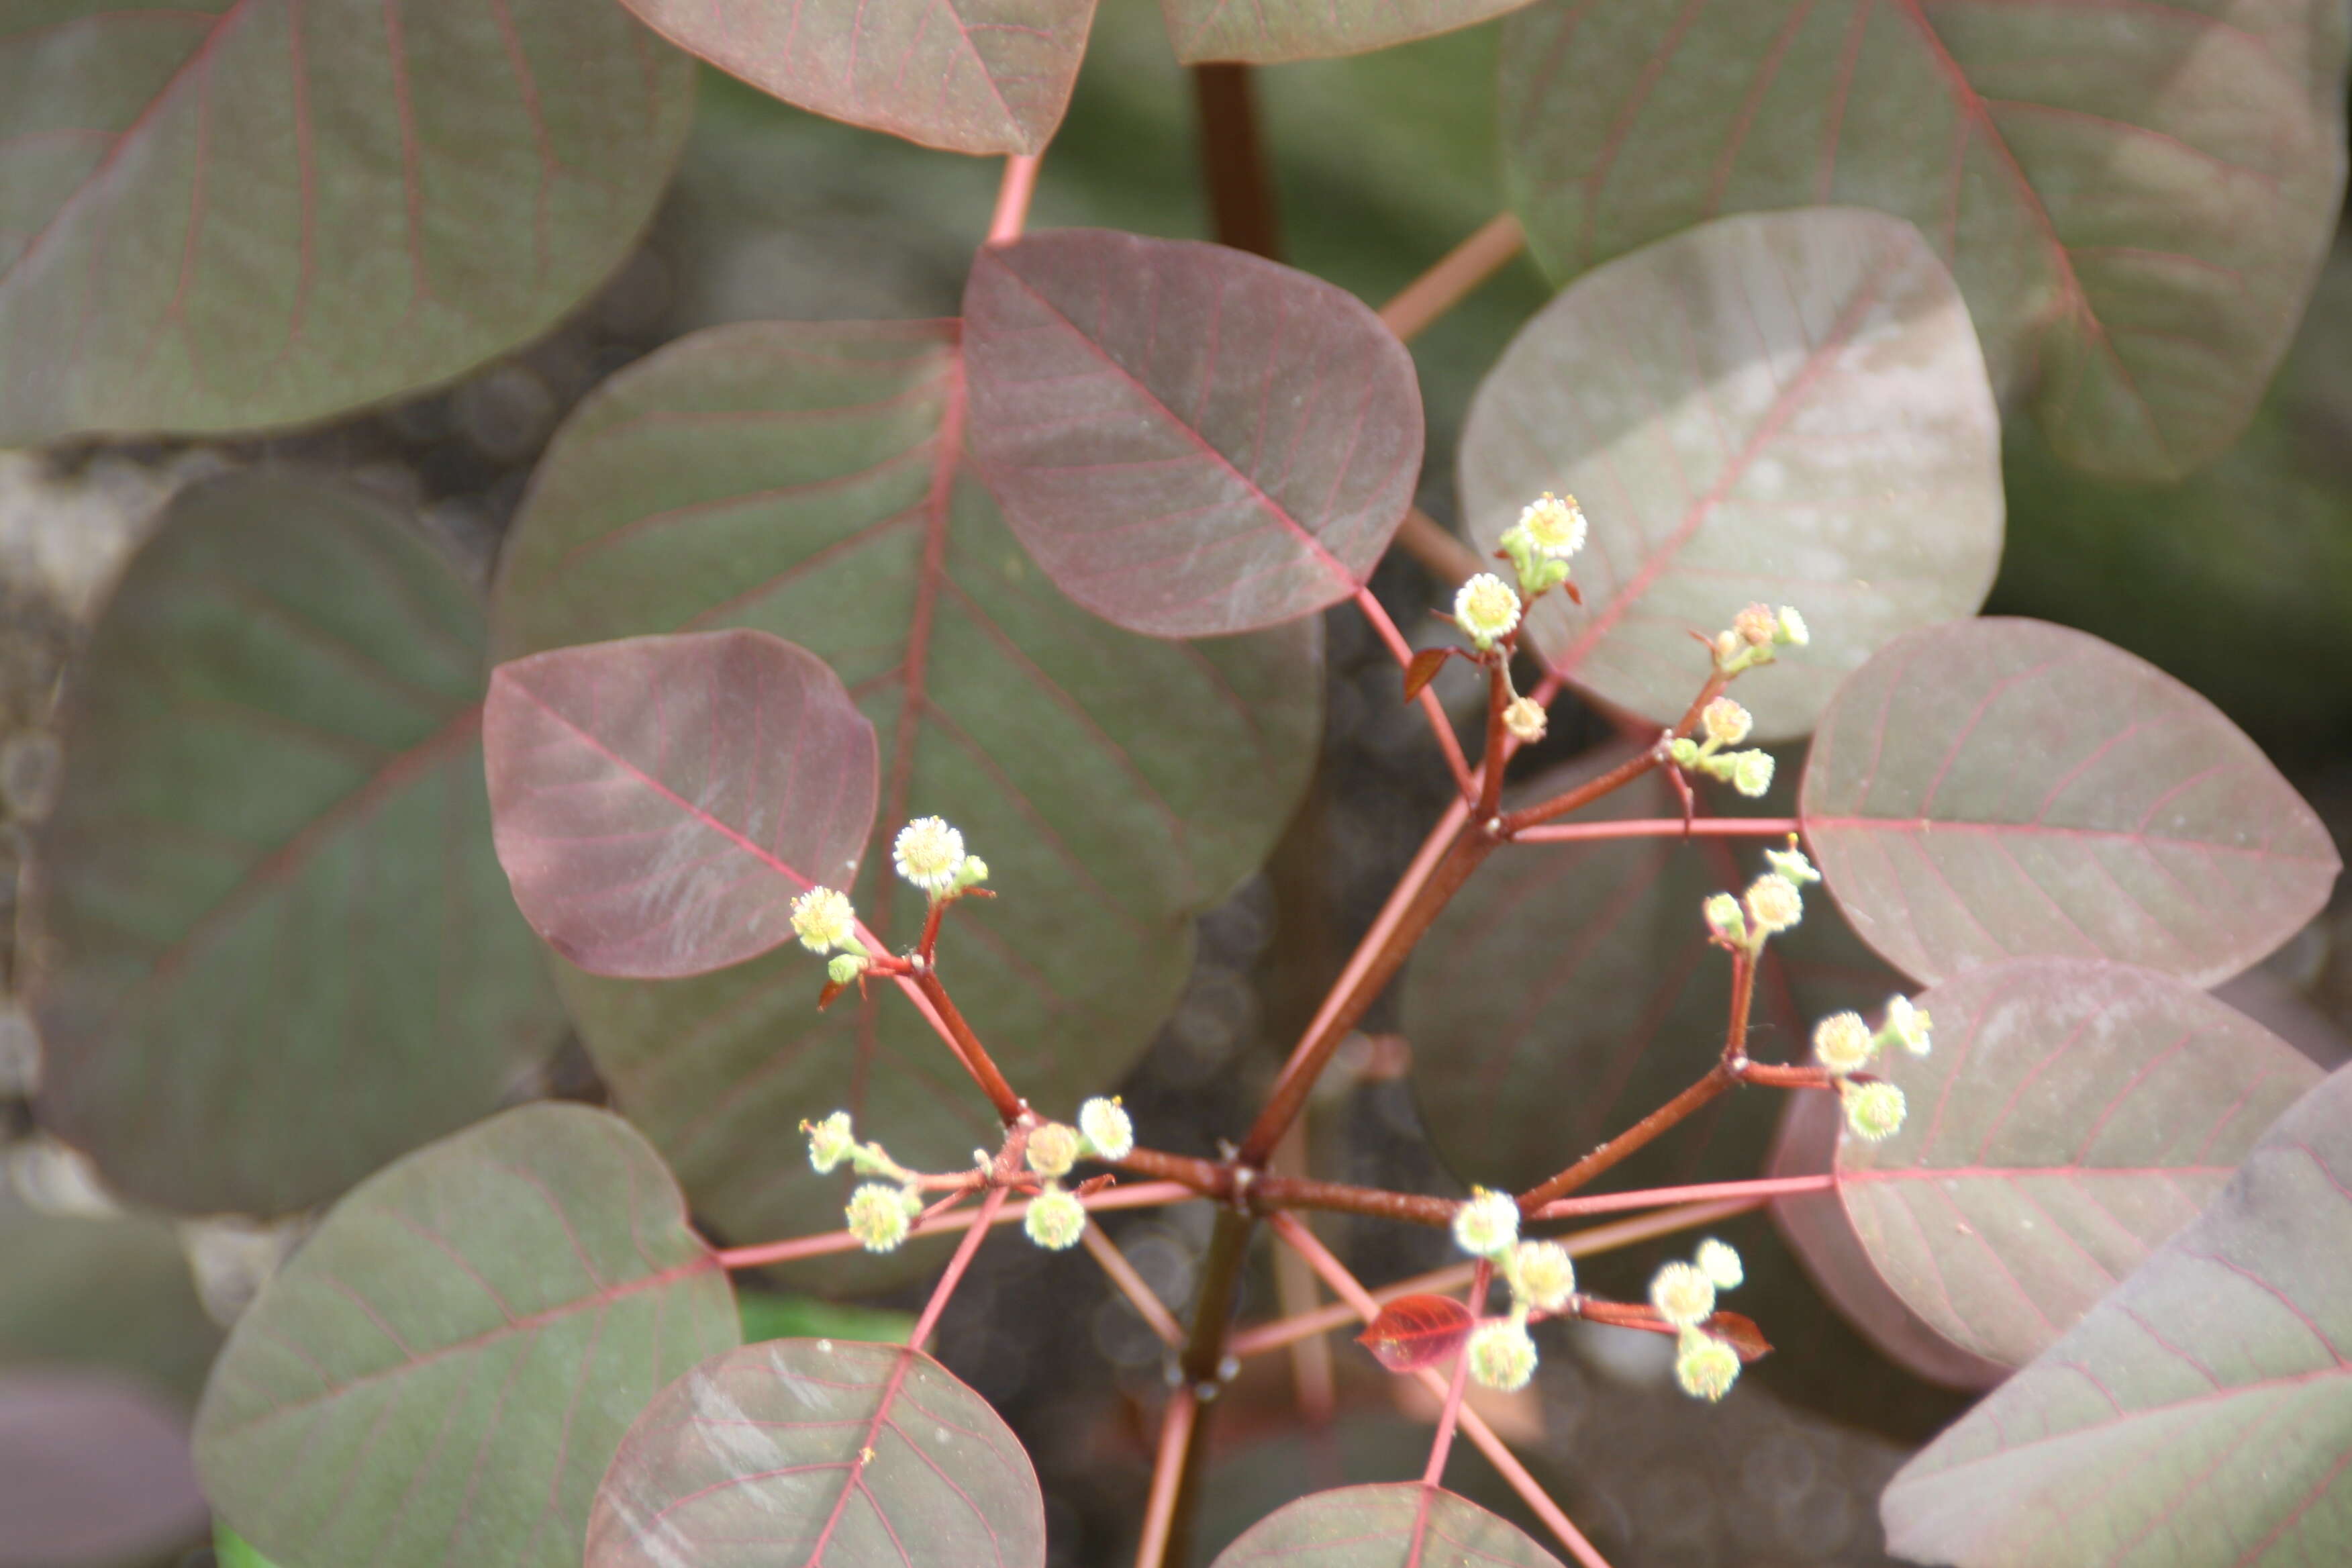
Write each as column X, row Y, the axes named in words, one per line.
column 1010, row 1106
column 1133, row 1285
column 759, row 1255
column 1756, row 1191
column 1456, row 275
column 1450, row 1411
column 1440, row 725
column 956, row 1266
column 1660, row 827
column 1013, row 198
column 1167, row 1470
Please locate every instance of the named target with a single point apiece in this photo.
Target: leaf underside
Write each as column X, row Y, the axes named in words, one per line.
column 280, row 950
column 2198, row 1413
column 801, row 479
column 1414, row 1331
column 2135, row 199
column 1268, row 31
column 1789, row 408
column 222, row 215
column 444, row 1370
column 1189, row 440
column 1392, row 1526
column 2003, row 787
column 799, row 1452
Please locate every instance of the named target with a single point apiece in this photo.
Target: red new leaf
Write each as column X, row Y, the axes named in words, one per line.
column 1741, row 1333
column 1414, row 1331
column 1422, row 671
column 1188, row 439
column 659, row 800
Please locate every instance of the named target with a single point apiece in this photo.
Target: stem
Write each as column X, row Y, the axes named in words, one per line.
column 1440, row 725
column 956, row 1266
column 1660, row 827
column 759, row 1255
column 1457, row 274
column 1013, row 198
column 1138, row 1293
column 1176, row 1427
column 1010, row 1106
column 1491, row 761
column 1450, row 1411
column 1583, row 794
column 1201, row 1366
column 1743, row 1195
column 1233, row 161
column 1441, row 554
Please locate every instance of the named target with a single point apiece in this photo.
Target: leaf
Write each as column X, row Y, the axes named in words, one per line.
column 262, row 212
column 2002, row 787
column 445, row 1368
column 1188, row 439
column 1422, row 671
column 803, row 479
column 1741, row 1332
column 231, row 1550
column 777, row 1315
column 983, row 76
column 2135, row 201
column 659, row 801
column 801, row 1451
column 113, row 1293
column 278, row 949
column 93, row 1470
column 1268, row 31
column 2070, row 1117
column 1414, row 1331
column 1390, row 1526
column 2197, row 1413
column 1568, row 990
column 1788, row 407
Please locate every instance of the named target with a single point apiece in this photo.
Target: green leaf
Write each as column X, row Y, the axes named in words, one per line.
column 1788, row 407
column 233, row 214
column 1270, row 30
column 776, row 1315
column 2196, row 1414
column 231, row 1550
column 1392, row 1526
column 803, row 479
column 2135, row 198
column 806, row 1451
column 278, row 947
column 445, row 1368
column 104, row 1292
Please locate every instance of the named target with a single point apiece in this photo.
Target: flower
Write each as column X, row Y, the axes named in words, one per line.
column 1726, row 721
column 878, row 1216
column 1683, row 1294
column 1501, row 1355
column 1055, row 1219
column 1108, row 1132
column 1053, row 1149
column 1487, row 608
column 1842, row 1043
column 830, row 1141
column 1908, row 1023
column 824, row 920
column 1542, row 1274
column 1723, row 918
column 1554, row 525
column 1704, row 1366
column 1773, row 903
column 928, row 853
column 1525, row 719
column 1751, row 773
column 1719, row 1261
column 1791, row 863
column 1755, row 625
column 1874, row 1110
column 1486, row 1223
column 1791, row 627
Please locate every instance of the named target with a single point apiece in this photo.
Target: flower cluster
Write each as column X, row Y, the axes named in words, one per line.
column 1056, row 1219
column 1540, row 1275
column 1487, row 608
column 1726, row 723
column 1550, row 531
column 1683, row 1295
column 1755, row 632
column 1845, row 1044
column 1773, row 903
column 928, row 853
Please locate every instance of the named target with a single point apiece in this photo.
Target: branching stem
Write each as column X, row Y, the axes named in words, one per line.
column 1458, row 274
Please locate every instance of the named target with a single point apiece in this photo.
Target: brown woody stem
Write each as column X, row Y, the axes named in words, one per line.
column 1010, row 1106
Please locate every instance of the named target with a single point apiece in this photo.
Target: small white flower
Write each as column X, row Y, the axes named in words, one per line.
column 1525, row 719
column 1486, row 1223
column 1791, row 627
column 1705, row 1367
column 1719, row 1261
column 1908, row 1023
column 830, row 1141
column 1773, row 903
column 1055, row 1220
column 1107, row 1128
column 1683, row 1294
column 823, row 919
column 1791, row 863
column 1542, row 1274
column 1842, row 1043
column 928, row 853
column 1053, row 1149
column 1751, row 773
column 1874, row 1110
column 1726, row 721
column 1554, row 525
column 1502, row 1356
column 1487, row 608
column 878, row 1216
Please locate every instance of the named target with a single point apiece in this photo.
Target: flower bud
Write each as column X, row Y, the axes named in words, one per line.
column 1719, row 1261
column 1751, row 773
column 1726, row 721
column 1790, row 627
column 844, row 967
column 830, row 1141
column 878, row 1216
column 1542, row 1274
column 1682, row 1294
column 1487, row 608
column 928, row 853
column 1108, row 1132
column 1053, row 1149
column 1502, row 1356
column 1874, row 1110
column 1554, row 525
column 1723, row 918
column 823, row 919
column 1683, row 749
column 1755, row 625
column 972, row 873
column 1842, row 1043
column 1705, row 1366
column 1773, row 903
column 1908, row 1025
column 1055, row 1220
column 1791, row 863
column 1486, row 1223
column 1525, row 719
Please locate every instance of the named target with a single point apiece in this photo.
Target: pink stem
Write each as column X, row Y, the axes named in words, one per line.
column 1143, row 1195
column 1440, row 725
column 1167, row 1470
column 1658, row 1198
column 1133, row 1285
column 1659, row 827
column 956, row 1266
column 1450, row 1411
column 1013, row 198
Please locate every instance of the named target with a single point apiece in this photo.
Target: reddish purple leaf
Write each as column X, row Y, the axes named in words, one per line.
column 2197, row 1414
column 1422, row 671
column 93, row 1469
column 660, row 800
column 1389, row 1526
column 2003, row 787
column 1189, row 440
column 982, row 76
column 1265, row 31
column 2071, row 1116
column 802, row 1453
column 1741, row 1332
column 1414, row 1331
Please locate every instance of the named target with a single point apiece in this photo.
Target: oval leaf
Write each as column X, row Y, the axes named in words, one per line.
column 2004, row 787
column 984, row 76
column 1189, row 440
column 1274, row 30
column 1383, row 1527
column 280, row 951
column 807, row 1451
column 93, row 1470
column 805, row 480
column 1788, row 407
column 226, row 215
column 1414, row 1331
column 2071, row 1117
column 2135, row 201
column 660, row 800
column 445, row 1368
column 2196, row 1414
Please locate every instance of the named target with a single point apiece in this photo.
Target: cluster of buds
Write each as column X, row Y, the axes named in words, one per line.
column 1540, row 1275
column 1683, row 1295
column 1549, row 533
column 879, row 1213
column 1773, row 903
column 1753, row 635
column 1725, row 723
column 1056, row 1219
column 1845, row 1044
column 927, row 853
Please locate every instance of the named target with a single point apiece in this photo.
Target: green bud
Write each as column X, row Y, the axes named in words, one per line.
column 843, row 968
column 1705, row 1366
column 878, row 1216
column 1751, row 773
column 1053, row 1149
column 830, row 1141
column 1874, row 1110
column 1055, row 1219
column 1684, row 749
column 972, row 873
column 1724, row 919
column 1502, row 1356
